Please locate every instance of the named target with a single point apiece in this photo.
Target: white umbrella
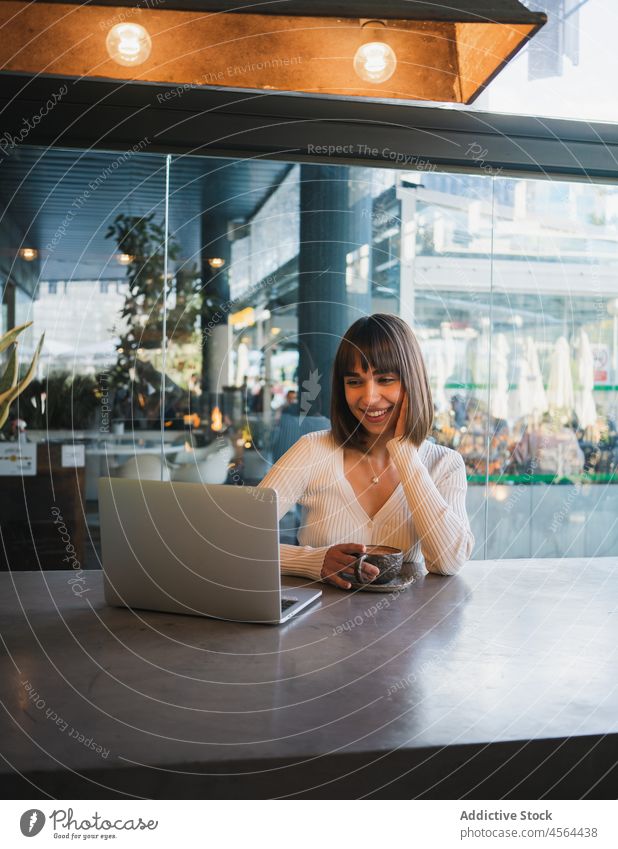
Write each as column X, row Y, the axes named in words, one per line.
column 489, row 363
column 499, row 397
column 520, row 399
column 479, row 359
column 449, row 354
column 528, row 397
column 441, row 366
column 584, row 400
column 560, row 388
column 438, row 371
column 538, row 399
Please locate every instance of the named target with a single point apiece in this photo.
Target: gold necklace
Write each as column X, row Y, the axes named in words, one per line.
column 376, row 478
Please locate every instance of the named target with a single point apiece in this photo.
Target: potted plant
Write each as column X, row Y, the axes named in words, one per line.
column 62, row 401
column 141, row 240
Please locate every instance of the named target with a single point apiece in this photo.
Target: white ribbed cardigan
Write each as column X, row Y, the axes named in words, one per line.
column 425, row 515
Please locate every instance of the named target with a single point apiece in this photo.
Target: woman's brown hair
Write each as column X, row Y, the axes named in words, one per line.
column 384, row 343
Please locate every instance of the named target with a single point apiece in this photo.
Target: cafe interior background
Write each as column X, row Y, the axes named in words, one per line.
column 171, row 355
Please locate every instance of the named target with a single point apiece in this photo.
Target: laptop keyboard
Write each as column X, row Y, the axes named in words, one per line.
column 287, row 602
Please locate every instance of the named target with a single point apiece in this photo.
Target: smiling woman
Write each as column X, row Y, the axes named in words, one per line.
column 374, row 478
column 379, row 363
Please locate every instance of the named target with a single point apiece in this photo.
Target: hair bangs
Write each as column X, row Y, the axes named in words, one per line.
column 374, row 347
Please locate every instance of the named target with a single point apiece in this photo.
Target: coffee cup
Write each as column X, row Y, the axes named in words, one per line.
column 389, row 561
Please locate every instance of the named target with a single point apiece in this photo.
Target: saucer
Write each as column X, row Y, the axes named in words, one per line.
column 406, row 577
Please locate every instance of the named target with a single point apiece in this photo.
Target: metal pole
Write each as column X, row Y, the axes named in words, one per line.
column 168, row 160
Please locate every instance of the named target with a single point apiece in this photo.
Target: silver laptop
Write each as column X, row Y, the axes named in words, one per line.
column 201, row 549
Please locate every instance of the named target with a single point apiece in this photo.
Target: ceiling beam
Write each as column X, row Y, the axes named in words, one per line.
column 473, row 11
column 104, row 115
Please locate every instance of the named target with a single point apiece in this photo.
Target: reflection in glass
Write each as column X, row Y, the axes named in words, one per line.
column 567, row 69
column 509, row 284
column 554, row 284
column 92, row 408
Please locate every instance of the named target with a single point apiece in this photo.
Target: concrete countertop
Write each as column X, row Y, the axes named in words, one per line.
column 509, row 666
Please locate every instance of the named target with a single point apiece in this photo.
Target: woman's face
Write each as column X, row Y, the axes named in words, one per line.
column 374, row 399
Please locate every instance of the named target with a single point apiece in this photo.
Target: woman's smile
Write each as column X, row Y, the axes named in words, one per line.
column 377, row 417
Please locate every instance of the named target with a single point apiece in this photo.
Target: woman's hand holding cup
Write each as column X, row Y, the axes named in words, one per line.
column 339, row 561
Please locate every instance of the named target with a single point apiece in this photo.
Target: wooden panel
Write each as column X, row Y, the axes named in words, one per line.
column 282, row 53
column 483, row 50
column 34, row 512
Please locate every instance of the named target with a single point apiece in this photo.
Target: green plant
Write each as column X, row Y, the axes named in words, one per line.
column 10, row 384
column 62, row 401
column 143, row 241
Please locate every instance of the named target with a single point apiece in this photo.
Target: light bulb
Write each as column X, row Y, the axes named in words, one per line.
column 28, row 254
column 375, row 62
column 216, row 262
column 128, row 44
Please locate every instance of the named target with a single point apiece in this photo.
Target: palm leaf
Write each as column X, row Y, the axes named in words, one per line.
column 9, row 377
column 11, row 336
column 7, row 397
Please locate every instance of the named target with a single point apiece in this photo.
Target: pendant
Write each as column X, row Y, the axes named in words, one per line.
column 375, row 480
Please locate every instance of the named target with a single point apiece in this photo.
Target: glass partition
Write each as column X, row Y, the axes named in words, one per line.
column 509, row 283
column 446, row 289
column 554, row 304
column 83, row 243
